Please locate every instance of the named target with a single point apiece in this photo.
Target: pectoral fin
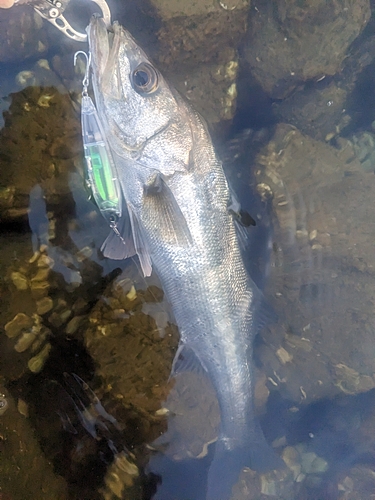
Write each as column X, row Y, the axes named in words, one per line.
column 170, row 222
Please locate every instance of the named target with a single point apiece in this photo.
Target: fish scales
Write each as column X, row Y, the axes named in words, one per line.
column 178, row 203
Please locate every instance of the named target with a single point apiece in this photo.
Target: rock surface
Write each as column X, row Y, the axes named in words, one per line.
column 21, row 35
column 323, row 270
column 288, row 41
column 198, row 52
column 25, row 472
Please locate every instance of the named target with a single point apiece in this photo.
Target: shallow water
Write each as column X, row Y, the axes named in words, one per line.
column 87, row 408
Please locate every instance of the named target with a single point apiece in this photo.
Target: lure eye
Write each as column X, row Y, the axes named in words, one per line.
column 145, row 79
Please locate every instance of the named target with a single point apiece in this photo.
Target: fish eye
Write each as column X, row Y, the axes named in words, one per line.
column 145, row 79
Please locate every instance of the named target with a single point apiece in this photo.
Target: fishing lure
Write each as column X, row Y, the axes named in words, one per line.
column 101, row 171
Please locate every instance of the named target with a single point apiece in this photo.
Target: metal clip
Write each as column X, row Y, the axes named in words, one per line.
column 52, row 11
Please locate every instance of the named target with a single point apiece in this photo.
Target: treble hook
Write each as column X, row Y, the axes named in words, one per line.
column 86, row 78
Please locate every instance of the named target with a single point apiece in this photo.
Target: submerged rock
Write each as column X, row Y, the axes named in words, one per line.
column 121, row 479
column 133, row 356
column 26, row 473
column 288, row 41
column 198, row 52
column 19, row 323
column 21, row 34
column 39, row 144
column 322, row 277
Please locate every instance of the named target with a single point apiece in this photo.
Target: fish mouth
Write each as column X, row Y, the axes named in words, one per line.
column 104, row 46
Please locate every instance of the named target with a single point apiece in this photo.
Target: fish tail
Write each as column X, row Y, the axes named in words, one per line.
column 227, row 464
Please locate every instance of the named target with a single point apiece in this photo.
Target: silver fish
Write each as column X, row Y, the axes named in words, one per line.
column 182, row 226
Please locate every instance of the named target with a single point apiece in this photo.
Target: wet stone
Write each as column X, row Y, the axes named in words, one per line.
column 284, row 355
column 40, row 340
column 291, row 457
column 45, row 261
column 55, row 320
column 26, row 472
column 61, row 305
column 307, row 460
column 74, row 278
column 198, row 52
column 25, row 342
column 318, row 466
column 275, row 484
column 84, row 253
column 13, row 46
column 132, row 294
column 36, row 363
column 23, row 408
column 350, row 381
column 74, row 324
column 324, row 284
column 34, row 257
column 280, row 59
column 3, row 404
column 65, row 315
column 39, row 289
column 19, row 323
column 121, row 285
column 19, row 280
column 120, row 479
column 359, row 483
column 80, row 306
column 41, row 275
column 44, row 305
column 267, row 486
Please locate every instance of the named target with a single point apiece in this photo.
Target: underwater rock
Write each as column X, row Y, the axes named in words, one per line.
column 36, row 363
column 21, row 35
column 364, row 147
column 25, row 341
column 4, row 405
column 74, row 324
column 28, row 473
column 317, row 110
column 320, row 92
column 255, row 486
column 358, row 483
column 40, row 75
column 121, row 480
column 322, row 277
column 19, row 323
column 31, row 316
column 288, row 41
column 193, row 418
column 39, row 145
column 326, row 106
column 133, row 357
column 198, row 52
column 19, row 280
column 44, row 305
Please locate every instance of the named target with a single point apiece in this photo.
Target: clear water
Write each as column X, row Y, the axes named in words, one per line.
column 87, row 410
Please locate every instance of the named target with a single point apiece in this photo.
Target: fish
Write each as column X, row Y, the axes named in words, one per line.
column 179, row 219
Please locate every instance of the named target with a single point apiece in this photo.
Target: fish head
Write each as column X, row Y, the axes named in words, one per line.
column 141, row 114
